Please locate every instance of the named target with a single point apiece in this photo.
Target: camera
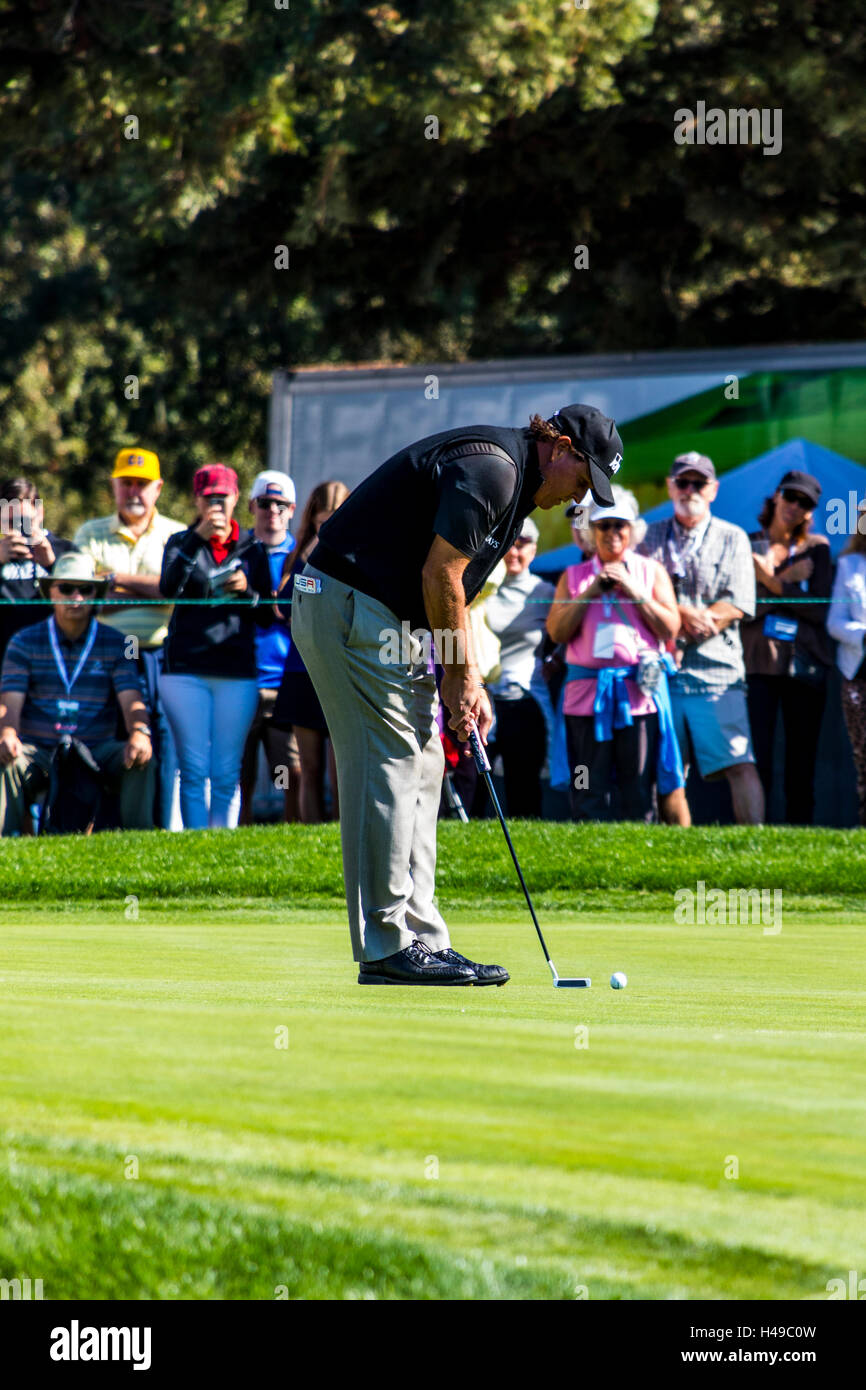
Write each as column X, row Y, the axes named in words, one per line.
column 218, row 577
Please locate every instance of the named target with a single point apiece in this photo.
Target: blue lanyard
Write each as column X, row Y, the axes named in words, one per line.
column 58, row 655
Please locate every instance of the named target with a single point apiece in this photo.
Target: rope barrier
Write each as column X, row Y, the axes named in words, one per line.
column 286, row 603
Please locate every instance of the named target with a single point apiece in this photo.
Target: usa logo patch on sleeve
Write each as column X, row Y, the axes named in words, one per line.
column 308, row 584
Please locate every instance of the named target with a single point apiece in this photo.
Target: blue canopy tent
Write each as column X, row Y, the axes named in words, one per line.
column 553, row 562
column 742, row 491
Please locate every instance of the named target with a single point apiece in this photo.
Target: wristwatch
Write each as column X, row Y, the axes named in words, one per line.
column 141, row 729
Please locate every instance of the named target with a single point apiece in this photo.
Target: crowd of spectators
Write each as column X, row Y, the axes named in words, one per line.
column 151, row 657
column 680, row 644
column 152, row 652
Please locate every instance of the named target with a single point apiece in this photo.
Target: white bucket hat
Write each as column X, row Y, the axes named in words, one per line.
column 73, row 565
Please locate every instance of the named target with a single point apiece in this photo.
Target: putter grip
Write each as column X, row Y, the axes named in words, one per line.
column 478, row 752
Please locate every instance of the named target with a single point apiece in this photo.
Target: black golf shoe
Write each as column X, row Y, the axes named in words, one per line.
column 417, row 965
column 484, row 974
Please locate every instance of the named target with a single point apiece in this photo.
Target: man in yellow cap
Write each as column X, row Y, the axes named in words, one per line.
column 128, row 545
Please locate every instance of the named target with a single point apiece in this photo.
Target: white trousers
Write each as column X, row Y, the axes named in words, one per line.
column 210, row 717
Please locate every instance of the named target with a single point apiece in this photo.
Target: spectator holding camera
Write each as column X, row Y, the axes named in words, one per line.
column 616, row 611
column 846, row 622
column 27, row 554
column 209, row 685
column 786, row 647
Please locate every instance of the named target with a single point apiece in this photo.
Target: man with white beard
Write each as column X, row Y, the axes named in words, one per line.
column 128, row 545
column 710, row 564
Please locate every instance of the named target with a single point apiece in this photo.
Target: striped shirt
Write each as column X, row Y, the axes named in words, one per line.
column 713, row 564
column 29, row 667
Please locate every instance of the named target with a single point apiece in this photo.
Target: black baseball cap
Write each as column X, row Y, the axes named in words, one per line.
column 594, row 435
column 798, row 481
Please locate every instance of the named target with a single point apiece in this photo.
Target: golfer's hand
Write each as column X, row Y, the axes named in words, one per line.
column 467, row 700
column 10, row 747
column 138, row 751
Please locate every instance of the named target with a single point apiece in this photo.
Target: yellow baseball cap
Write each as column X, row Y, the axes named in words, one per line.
column 137, row 463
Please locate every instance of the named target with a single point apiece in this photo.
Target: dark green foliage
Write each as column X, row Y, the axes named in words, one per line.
column 260, row 127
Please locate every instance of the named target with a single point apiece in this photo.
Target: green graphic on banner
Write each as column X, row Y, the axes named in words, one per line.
column 826, row 407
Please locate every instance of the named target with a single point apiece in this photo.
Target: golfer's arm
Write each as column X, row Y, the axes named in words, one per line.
column 564, row 618
column 11, row 705
column 446, row 607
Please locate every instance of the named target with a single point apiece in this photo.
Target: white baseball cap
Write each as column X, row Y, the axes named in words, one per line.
column 528, row 530
column 620, row 511
column 272, row 483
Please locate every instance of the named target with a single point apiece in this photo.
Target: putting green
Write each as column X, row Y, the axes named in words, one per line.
column 700, row 1134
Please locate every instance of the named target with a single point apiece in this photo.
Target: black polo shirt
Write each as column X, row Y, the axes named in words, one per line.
column 379, row 539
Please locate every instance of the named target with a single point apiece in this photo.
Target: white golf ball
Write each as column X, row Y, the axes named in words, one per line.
column 618, row 980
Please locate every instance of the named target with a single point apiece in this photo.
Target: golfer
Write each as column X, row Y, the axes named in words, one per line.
column 400, row 560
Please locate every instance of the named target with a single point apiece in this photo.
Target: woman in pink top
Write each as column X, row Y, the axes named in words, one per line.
column 613, row 610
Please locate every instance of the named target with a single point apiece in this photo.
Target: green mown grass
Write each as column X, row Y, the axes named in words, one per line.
column 430, row 1144
column 295, row 864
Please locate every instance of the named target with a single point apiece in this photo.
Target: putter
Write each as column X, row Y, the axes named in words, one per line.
column 482, row 762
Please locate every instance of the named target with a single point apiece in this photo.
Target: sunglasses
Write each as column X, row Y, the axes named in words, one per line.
column 85, row 590
column 693, row 484
column 797, row 498
column 612, row 525
column 265, row 504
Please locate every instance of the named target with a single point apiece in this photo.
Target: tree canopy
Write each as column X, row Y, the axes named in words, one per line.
column 430, row 171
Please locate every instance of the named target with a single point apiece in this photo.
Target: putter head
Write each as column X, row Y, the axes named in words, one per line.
column 576, row 982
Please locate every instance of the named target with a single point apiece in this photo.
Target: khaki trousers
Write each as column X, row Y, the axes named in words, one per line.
column 381, row 718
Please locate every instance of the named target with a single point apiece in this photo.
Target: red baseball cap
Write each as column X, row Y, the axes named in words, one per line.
column 214, row 477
